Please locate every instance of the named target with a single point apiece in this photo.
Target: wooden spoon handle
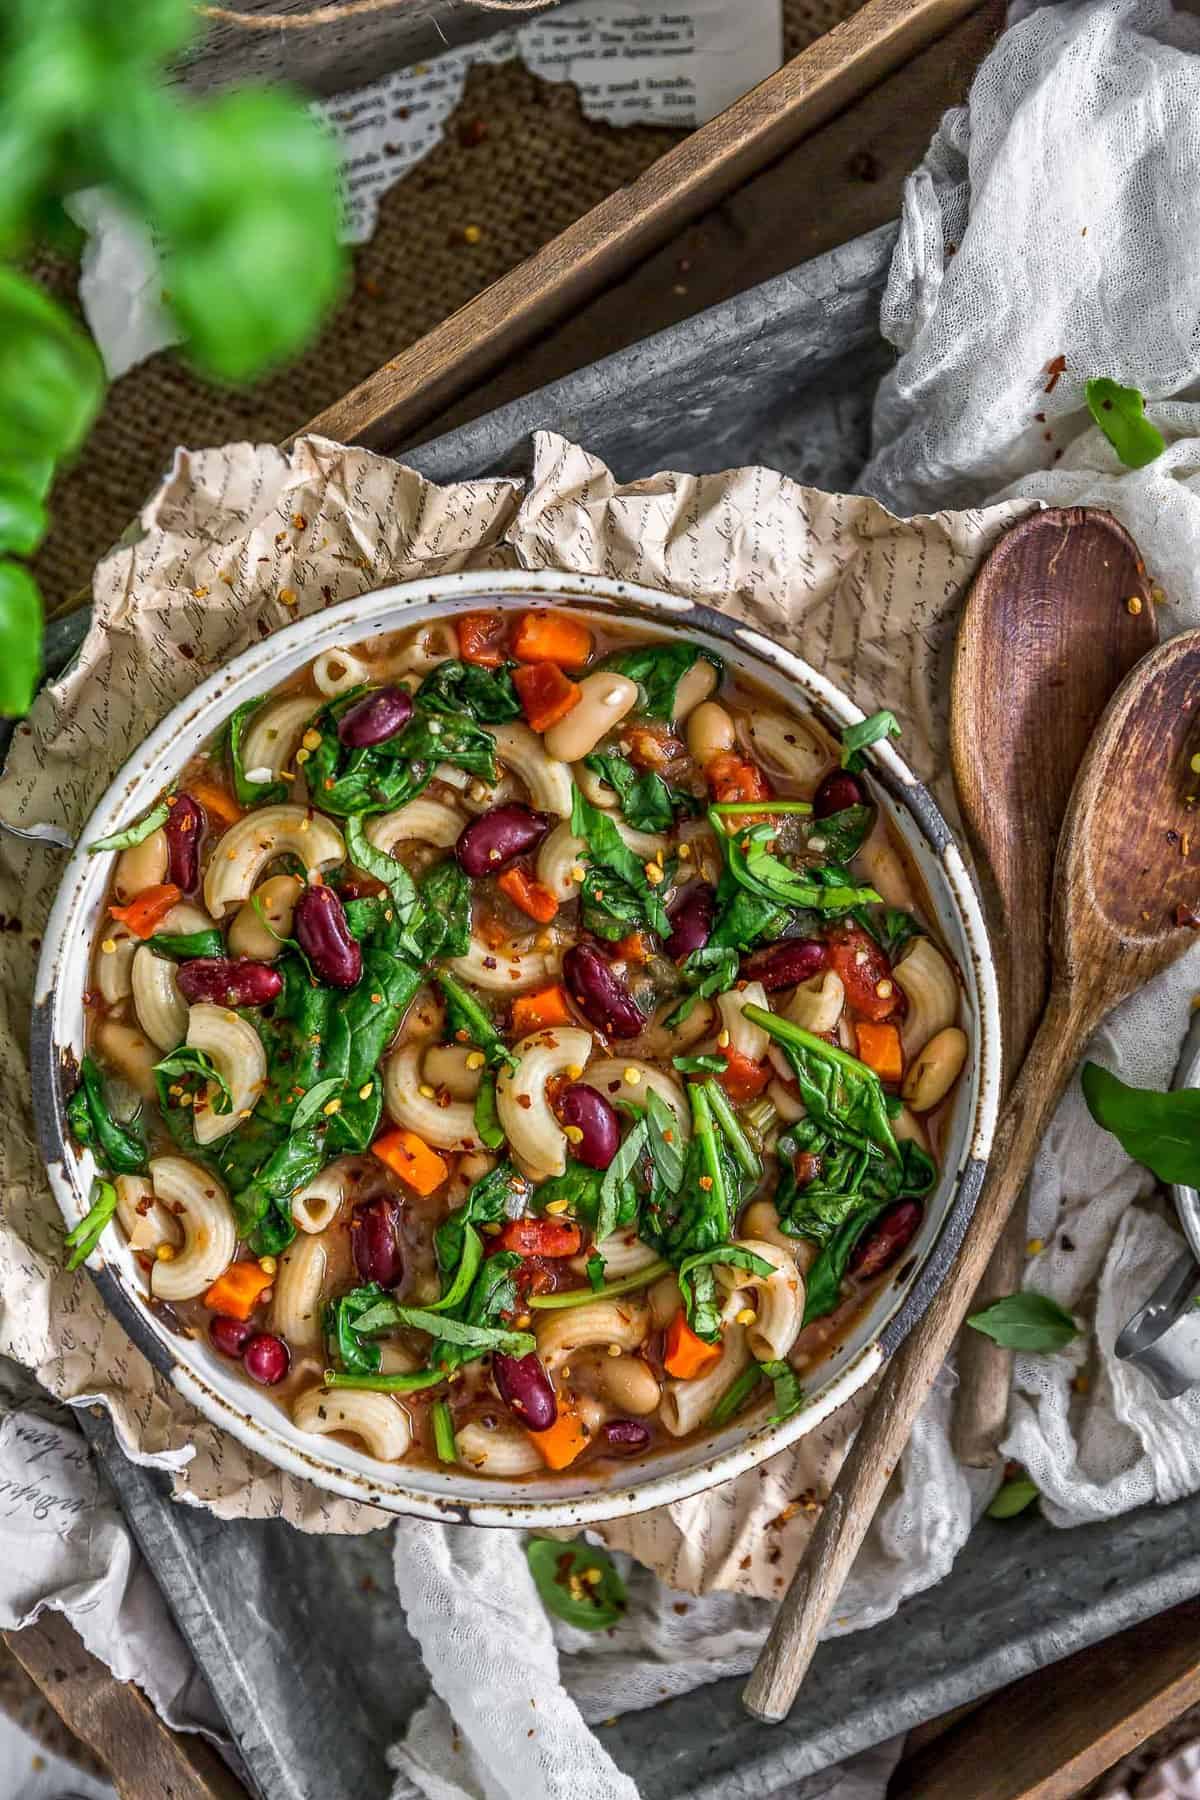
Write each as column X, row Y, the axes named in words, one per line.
column 788, row 1651
column 984, row 1368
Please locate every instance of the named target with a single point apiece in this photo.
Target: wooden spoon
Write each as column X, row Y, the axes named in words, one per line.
column 1048, row 626
column 1124, row 865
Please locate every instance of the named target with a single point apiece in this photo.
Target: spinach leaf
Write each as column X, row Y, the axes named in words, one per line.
column 608, row 907
column 1160, row 1131
column 350, row 1353
column 486, row 695
column 309, row 1107
column 446, row 899
column 823, row 1283
column 120, row 1147
column 406, row 909
column 896, row 928
column 840, row 1094
column 563, row 1575
column 594, row 1269
column 459, row 1334
column 263, row 1208
column 736, row 1395
column 493, row 1295
column 134, row 834
column 1120, row 412
column 855, row 738
column 449, row 738
column 186, row 1062
column 647, row 801
column 607, row 849
column 470, row 1023
column 789, row 1395
column 383, row 776
column 843, row 834
column 499, row 1195
column 744, row 919
column 82, row 1239
column 697, row 1215
column 579, row 1186
column 752, row 866
column 712, row 970
column 658, row 669
column 182, row 946
column 1013, row 1498
column 618, row 1196
column 701, row 1300
column 487, row 1118
column 1030, row 1322
column 249, row 793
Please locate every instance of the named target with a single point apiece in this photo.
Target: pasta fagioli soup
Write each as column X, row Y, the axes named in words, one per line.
column 517, row 1044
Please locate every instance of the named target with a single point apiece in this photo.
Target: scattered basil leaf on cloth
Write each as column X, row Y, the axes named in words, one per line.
column 576, row 1583
column 855, row 738
column 1160, row 1131
column 1120, row 412
column 1013, row 1498
column 1027, row 1321
column 135, row 834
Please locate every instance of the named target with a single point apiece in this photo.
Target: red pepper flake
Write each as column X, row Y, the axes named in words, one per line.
column 1056, row 368
column 471, row 132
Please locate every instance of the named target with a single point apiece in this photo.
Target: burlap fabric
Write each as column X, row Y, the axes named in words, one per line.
column 518, row 159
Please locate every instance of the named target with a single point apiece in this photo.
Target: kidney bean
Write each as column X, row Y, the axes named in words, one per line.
column 589, row 1112
column 495, row 839
column 266, row 1358
column 525, row 1389
column 229, row 1336
column 864, row 969
column 185, row 822
column 839, row 790
column 627, row 1435
column 600, row 994
column 319, row 924
column 782, row 965
column 374, row 1242
column 892, row 1232
column 225, row 982
column 691, row 917
column 375, row 718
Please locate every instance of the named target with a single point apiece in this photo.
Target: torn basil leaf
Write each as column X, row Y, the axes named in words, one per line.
column 1027, row 1321
column 1120, row 412
column 134, row 834
column 856, row 738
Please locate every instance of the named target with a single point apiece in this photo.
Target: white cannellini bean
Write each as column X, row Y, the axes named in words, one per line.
column 694, row 687
column 265, row 919
column 710, row 730
column 604, row 699
column 936, row 1069
column 142, row 866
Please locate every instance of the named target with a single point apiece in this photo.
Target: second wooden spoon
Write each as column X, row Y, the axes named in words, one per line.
column 1057, row 616
column 1124, row 868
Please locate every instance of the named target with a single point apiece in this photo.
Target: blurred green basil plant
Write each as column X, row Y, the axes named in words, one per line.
column 240, row 192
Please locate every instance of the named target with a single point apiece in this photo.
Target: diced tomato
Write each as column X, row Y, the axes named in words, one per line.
column 482, row 639
column 545, row 693
column 865, row 971
column 743, row 1079
column 731, row 777
column 538, row 1237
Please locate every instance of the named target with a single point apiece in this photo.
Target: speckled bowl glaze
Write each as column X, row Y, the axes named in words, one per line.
column 213, row 1385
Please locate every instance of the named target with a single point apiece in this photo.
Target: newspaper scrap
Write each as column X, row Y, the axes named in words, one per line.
column 676, row 65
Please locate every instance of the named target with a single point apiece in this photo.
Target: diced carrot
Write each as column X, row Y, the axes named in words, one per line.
column 686, row 1354
column 879, row 1048
column 540, row 1011
column 563, row 1441
column 481, row 638
column 146, row 912
column 547, row 637
column 545, row 693
column 217, row 801
column 238, row 1291
column 533, row 897
column 410, row 1157
column 731, row 777
column 538, row 1237
column 635, row 948
column 743, row 1078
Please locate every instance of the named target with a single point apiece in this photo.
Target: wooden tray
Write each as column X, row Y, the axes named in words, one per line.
column 413, row 389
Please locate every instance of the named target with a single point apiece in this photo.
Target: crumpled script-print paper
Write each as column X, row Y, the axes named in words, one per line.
column 240, row 541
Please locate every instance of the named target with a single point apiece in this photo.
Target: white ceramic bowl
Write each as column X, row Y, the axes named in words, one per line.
column 214, row 1385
